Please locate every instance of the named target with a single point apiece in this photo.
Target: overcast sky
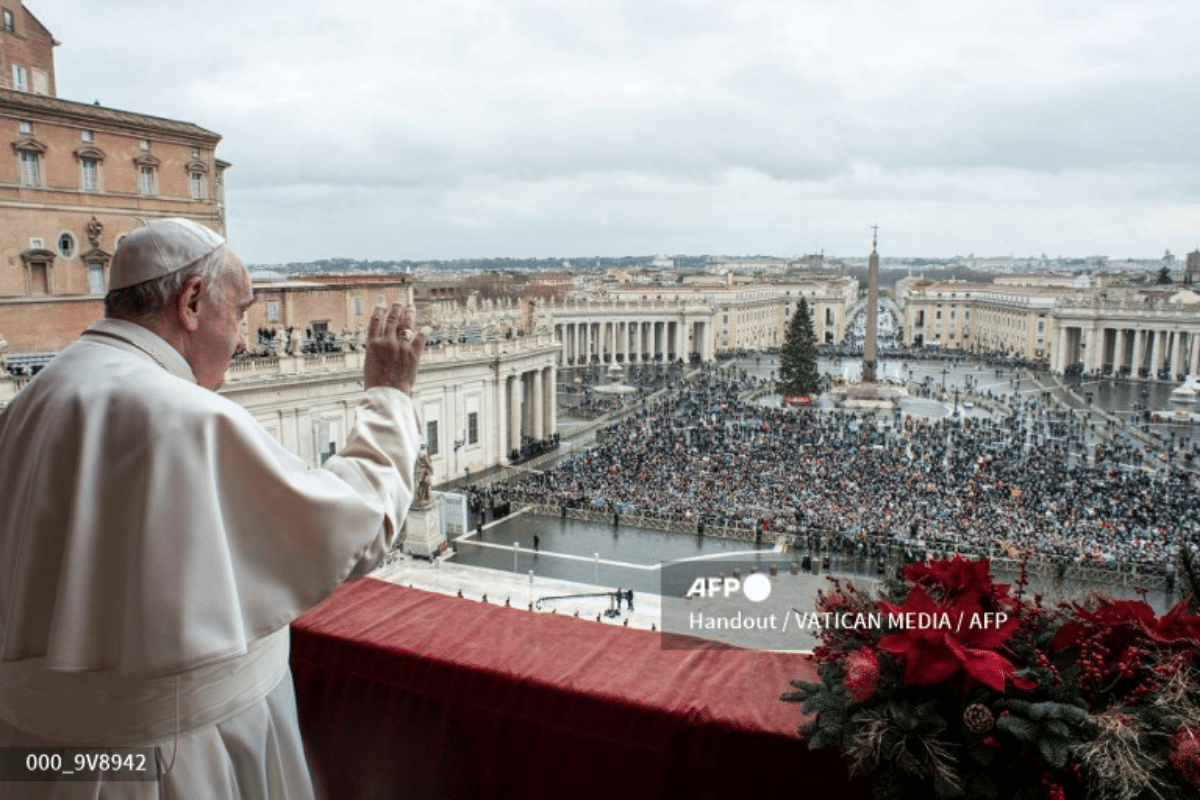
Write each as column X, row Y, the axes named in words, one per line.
column 462, row 128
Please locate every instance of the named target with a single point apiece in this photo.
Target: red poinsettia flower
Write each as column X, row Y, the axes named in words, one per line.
column 862, row 674
column 1176, row 626
column 1120, row 624
column 957, row 576
column 953, row 641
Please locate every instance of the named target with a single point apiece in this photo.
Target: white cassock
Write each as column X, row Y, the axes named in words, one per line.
column 155, row 542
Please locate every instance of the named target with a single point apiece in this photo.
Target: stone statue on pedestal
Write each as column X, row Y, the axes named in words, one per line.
column 424, row 479
column 422, row 527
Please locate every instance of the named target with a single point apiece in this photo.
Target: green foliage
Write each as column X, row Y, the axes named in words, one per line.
column 1188, row 561
column 798, row 374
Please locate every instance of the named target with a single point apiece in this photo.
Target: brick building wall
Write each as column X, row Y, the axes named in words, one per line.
column 27, row 45
column 43, row 325
column 340, row 303
column 74, row 179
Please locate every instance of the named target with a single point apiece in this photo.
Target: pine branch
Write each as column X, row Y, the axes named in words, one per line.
column 1188, row 561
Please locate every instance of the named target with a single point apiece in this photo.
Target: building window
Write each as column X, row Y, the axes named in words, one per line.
column 431, row 437
column 272, row 311
column 30, row 170
column 25, row 126
column 89, row 136
column 66, row 245
column 146, row 181
column 89, row 175
column 96, row 278
column 195, row 152
column 473, row 427
column 8, row 21
column 358, row 306
column 20, row 78
column 144, row 144
column 197, row 185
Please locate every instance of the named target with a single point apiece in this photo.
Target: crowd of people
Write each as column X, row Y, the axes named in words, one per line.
column 1033, row 481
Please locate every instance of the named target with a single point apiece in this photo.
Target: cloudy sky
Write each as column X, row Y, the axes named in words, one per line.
column 462, row 128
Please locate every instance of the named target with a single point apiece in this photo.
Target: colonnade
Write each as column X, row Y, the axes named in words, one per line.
column 529, row 406
column 1143, row 351
column 630, row 341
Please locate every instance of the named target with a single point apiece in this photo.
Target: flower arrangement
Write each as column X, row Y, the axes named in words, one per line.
column 959, row 687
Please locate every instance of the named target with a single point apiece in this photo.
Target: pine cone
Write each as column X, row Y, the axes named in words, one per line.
column 978, row 719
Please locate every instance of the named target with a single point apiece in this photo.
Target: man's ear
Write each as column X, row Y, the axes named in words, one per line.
column 187, row 306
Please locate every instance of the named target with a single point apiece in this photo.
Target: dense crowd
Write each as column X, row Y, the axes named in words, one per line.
column 1020, row 482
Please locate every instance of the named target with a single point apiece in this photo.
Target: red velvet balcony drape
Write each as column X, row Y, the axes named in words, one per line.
column 407, row 694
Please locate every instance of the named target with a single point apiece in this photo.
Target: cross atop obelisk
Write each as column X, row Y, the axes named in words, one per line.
column 870, row 356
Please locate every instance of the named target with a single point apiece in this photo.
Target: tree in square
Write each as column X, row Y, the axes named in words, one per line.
column 798, row 375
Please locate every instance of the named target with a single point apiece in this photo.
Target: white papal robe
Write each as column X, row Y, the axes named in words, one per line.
column 155, row 542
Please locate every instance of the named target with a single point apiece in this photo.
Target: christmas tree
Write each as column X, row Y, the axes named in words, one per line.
column 798, row 373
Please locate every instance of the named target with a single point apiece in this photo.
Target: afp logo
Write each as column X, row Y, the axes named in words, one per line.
column 756, row 587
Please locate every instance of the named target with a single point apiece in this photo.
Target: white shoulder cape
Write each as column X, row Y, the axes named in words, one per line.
column 150, row 525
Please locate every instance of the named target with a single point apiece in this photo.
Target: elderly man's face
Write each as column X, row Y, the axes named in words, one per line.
column 220, row 333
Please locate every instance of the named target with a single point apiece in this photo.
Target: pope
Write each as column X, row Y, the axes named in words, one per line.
column 156, row 541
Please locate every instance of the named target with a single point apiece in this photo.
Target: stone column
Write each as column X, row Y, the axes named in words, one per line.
column 514, row 412
column 1059, row 362
column 528, row 425
column 1139, row 351
column 1095, row 346
column 1195, row 360
column 1156, row 354
column 550, row 402
column 538, row 406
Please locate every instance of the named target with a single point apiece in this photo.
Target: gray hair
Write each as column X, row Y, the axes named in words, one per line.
column 149, row 297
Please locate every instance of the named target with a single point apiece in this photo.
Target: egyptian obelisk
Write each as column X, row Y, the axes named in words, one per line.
column 870, row 355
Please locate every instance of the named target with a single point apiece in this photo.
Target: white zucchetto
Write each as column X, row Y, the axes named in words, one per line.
column 159, row 248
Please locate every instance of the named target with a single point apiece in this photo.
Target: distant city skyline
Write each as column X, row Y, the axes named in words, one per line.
column 458, row 129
